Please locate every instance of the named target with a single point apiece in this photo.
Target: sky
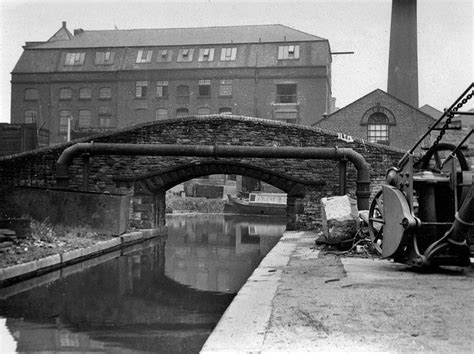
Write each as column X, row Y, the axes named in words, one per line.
column 445, row 35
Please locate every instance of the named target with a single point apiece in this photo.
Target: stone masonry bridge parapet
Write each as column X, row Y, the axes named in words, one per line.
column 146, row 178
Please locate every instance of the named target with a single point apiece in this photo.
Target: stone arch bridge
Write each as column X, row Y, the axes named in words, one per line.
column 145, row 178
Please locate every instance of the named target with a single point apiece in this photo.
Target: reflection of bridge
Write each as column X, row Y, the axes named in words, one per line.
column 147, row 177
column 220, row 254
column 122, row 296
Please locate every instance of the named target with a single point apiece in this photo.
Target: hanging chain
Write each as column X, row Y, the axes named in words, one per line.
column 450, row 116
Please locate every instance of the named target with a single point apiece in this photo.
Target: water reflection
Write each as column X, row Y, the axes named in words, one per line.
column 220, row 254
column 147, row 298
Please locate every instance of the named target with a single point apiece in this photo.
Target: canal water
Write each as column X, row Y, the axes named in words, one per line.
column 162, row 296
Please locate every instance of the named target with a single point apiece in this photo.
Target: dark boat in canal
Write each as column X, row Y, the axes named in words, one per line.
column 257, row 203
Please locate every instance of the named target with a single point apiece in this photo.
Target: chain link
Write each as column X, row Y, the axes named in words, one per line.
column 450, row 116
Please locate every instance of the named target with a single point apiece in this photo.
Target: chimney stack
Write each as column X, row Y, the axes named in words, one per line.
column 403, row 57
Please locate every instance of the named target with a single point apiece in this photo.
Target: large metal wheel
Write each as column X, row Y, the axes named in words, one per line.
column 434, row 157
column 376, row 222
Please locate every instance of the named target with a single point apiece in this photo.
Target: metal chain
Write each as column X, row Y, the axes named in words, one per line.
column 450, row 117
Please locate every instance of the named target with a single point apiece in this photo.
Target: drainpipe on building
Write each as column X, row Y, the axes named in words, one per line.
column 363, row 174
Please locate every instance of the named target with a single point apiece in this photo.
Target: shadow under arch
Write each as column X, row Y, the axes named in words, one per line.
column 156, row 183
column 163, row 180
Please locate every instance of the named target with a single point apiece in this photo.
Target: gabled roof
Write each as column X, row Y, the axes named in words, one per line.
column 364, row 97
column 62, row 34
column 431, row 111
column 182, row 36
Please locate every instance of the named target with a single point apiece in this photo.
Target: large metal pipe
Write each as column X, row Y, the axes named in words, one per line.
column 363, row 174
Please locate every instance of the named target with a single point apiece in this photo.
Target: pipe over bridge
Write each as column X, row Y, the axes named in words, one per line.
column 216, row 151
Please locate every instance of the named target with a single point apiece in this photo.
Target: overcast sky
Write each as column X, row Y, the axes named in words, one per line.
column 445, row 35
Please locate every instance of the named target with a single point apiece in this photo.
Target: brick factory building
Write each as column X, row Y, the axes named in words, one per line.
column 109, row 79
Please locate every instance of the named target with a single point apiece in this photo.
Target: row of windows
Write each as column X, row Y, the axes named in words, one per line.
column 141, row 90
column 83, row 120
column 182, row 55
column 65, row 93
column 105, row 120
column 286, row 93
column 182, row 91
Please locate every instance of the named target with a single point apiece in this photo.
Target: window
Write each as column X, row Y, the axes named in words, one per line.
column 84, row 118
column 182, row 112
column 105, row 93
column 65, row 93
column 225, row 110
column 74, row 58
column 286, row 93
column 185, row 55
column 377, row 129
column 162, row 88
column 30, row 116
column 228, row 54
column 182, row 94
column 164, row 56
column 161, row 114
column 64, row 116
column 31, row 94
column 105, row 121
column 85, row 93
column 204, row 88
column 206, row 54
column 141, row 88
column 225, row 88
column 104, row 58
column 144, row 56
column 203, row 111
column 289, row 52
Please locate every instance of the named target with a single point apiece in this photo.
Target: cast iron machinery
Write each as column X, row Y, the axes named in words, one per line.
column 424, row 214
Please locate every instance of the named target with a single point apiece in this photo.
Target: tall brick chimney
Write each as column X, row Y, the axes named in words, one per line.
column 403, row 57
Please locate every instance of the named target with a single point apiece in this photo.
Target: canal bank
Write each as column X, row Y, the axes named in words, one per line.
column 43, row 265
column 302, row 300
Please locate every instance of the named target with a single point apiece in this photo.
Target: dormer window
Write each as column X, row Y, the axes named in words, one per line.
column 206, row 54
column 185, row 55
column 104, row 58
column 228, row 54
column 144, row 56
column 164, row 55
column 74, row 58
column 288, row 52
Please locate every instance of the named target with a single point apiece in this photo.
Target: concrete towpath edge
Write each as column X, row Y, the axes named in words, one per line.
column 25, row 270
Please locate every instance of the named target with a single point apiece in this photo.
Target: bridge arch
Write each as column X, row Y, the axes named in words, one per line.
column 157, row 182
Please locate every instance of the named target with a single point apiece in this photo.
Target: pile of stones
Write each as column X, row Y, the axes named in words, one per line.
column 7, row 238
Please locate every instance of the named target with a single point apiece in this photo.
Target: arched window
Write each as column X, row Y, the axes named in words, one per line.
column 105, row 93
column 378, row 129
column 161, row 114
column 182, row 94
column 202, row 111
column 225, row 110
column 64, row 115
column 84, row 118
column 182, row 112
column 85, row 93
column 65, row 93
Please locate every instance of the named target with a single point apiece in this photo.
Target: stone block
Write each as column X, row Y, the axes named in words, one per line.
column 71, row 255
column 19, row 269
column 131, row 236
column 339, row 218
column 48, row 261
